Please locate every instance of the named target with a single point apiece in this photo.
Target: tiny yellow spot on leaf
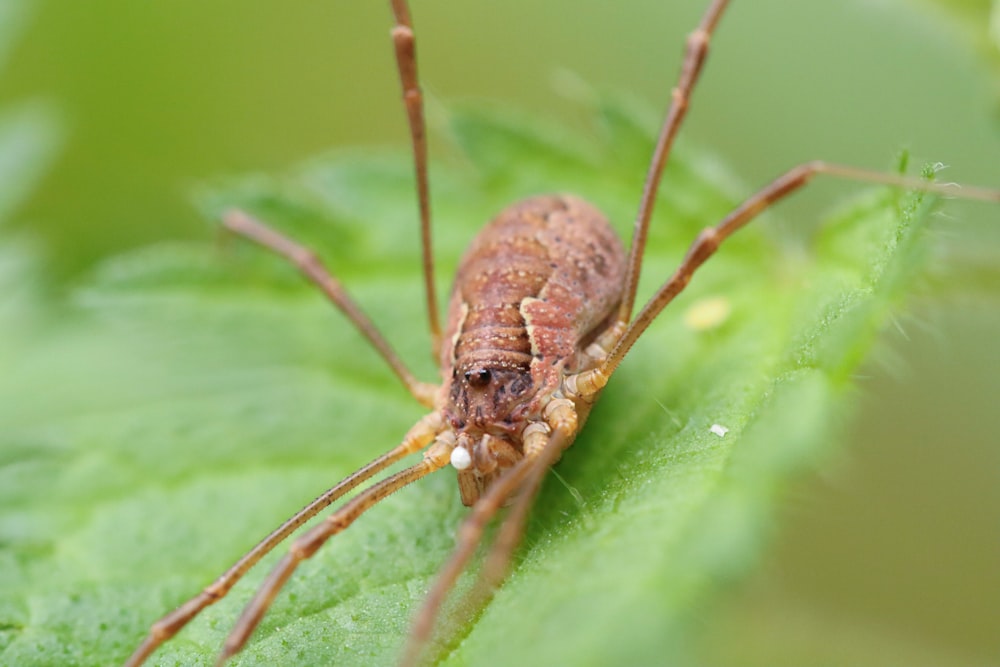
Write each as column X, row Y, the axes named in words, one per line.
column 706, row 314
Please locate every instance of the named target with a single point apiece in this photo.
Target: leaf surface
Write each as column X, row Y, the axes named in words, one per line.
column 199, row 394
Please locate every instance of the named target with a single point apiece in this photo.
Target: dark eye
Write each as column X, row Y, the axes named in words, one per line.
column 479, row 377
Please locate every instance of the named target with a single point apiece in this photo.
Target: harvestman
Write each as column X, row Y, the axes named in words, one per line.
column 539, row 319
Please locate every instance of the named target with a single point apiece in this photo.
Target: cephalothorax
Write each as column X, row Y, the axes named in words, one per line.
column 539, row 319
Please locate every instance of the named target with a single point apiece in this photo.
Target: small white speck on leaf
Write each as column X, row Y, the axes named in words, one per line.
column 719, row 430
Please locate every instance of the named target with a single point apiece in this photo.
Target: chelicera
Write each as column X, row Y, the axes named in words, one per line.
column 539, row 319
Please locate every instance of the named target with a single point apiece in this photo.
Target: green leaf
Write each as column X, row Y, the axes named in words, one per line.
column 199, row 394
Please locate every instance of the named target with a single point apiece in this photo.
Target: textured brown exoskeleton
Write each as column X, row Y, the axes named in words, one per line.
column 539, row 319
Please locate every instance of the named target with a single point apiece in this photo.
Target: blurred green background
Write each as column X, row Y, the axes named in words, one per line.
column 887, row 556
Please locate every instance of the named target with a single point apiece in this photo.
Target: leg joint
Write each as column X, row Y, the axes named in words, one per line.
column 697, row 41
column 560, row 415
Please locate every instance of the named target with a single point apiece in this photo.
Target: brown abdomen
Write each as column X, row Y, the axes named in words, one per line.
column 532, row 286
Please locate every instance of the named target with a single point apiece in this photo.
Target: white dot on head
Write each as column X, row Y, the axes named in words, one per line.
column 460, row 458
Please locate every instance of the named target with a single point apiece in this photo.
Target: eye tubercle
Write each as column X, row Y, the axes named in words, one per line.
column 479, row 377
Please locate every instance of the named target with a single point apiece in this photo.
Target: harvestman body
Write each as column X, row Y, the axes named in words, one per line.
column 539, row 319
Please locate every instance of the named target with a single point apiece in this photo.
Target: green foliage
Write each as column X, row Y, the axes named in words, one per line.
column 198, row 394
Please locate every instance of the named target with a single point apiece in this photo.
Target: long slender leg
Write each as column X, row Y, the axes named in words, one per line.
column 708, row 241
column 542, row 448
column 406, row 60
column 494, row 569
column 694, row 58
column 508, row 537
column 511, row 531
column 313, row 269
column 468, row 538
column 309, row 543
column 562, row 419
column 417, row 438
